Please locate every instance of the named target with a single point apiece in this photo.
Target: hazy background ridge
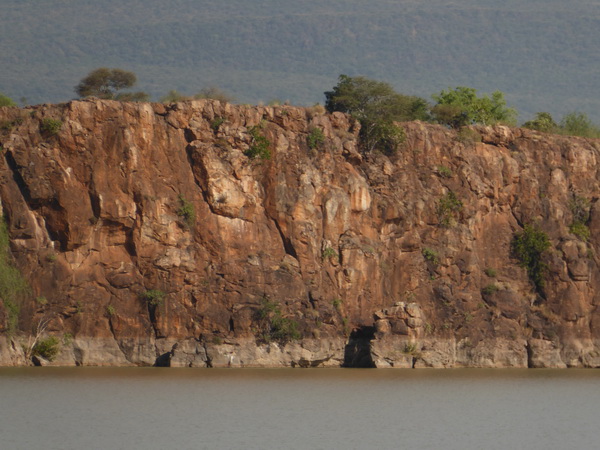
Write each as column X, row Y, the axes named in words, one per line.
column 544, row 55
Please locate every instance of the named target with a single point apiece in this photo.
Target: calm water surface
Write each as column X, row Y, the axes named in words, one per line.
column 151, row 408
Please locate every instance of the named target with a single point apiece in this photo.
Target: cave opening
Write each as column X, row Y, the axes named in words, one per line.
column 357, row 353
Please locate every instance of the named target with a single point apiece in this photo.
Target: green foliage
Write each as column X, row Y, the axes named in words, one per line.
column 259, row 146
column 105, row 83
column 580, row 208
column 6, row 101
column 216, row 123
column 110, row 310
column 490, row 272
column 328, row 252
column 173, row 97
column 47, row 348
column 468, row 136
column 12, row 284
column 315, row 138
column 337, row 304
column 273, row 326
column 461, row 106
column 543, row 122
column 578, row 124
column 529, row 247
column 431, row 256
column 41, row 300
column 187, row 212
column 376, row 106
column 50, row 126
column 489, row 289
column 154, row 297
column 448, row 209
column 444, row 171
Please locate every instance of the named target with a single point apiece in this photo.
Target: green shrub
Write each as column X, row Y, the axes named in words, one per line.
column 461, row 106
column 47, row 348
column 6, row 101
column 489, row 289
column 449, row 206
column 468, row 136
column 259, row 146
column 529, row 247
column 315, row 138
column 376, row 105
column 543, row 122
column 273, row 326
column 580, row 230
column 12, row 284
column 578, row 124
column 328, row 253
column 216, row 123
column 187, row 212
column 154, row 297
column 490, row 272
column 41, row 300
column 431, row 256
column 580, row 208
column 50, row 126
column 444, row 171
column 110, row 310
column 337, row 304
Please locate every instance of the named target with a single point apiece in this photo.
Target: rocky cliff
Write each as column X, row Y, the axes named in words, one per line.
column 147, row 235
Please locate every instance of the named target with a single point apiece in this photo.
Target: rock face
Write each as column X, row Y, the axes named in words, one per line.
column 147, row 236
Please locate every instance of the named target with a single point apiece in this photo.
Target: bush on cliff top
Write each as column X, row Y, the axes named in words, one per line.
column 376, row 106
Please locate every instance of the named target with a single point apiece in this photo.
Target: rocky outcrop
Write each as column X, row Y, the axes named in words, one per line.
column 148, row 236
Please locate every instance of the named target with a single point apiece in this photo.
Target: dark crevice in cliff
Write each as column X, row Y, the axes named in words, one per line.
column 18, row 179
column 358, row 349
column 529, row 355
column 287, row 243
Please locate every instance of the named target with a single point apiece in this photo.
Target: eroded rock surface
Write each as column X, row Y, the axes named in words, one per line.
column 129, row 199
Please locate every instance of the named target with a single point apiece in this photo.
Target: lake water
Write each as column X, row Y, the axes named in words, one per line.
column 152, row 408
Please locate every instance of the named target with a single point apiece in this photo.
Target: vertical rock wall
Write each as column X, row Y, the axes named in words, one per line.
column 147, row 235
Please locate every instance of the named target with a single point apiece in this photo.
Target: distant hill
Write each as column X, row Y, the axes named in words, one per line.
column 543, row 54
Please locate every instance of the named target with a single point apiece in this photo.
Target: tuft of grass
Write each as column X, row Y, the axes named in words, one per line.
column 444, row 171
column 154, row 297
column 50, row 126
column 187, row 212
column 431, row 256
column 448, row 209
column 490, row 272
column 315, row 138
column 489, row 289
column 328, row 253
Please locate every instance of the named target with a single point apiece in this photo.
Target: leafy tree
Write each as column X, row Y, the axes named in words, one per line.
column 6, row 101
column 578, row 124
column 461, row 106
column 105, row 83
column 376, row 106
column 543, row 122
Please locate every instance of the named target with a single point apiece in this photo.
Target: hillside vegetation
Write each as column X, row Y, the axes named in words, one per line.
column 543, row 55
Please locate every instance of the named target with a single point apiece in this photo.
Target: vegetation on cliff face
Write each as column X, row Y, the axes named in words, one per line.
column 12, row 284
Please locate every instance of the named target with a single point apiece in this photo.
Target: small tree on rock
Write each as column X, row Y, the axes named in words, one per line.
column 461, row 106
column 105, row 83
column 376, row 106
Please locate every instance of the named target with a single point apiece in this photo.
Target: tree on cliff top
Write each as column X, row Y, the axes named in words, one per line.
column 105, row 83
column 6, row 101
column 376, row 105
column 461, row 106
